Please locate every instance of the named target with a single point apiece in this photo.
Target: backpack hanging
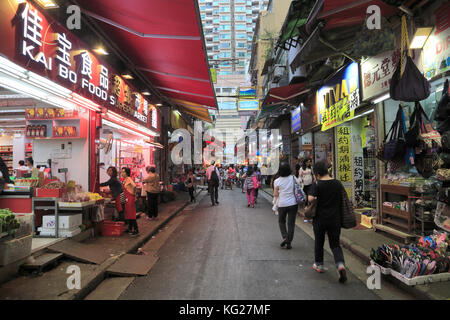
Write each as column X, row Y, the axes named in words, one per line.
column 408, row 84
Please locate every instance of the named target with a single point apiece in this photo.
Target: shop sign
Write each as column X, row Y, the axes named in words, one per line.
column 306, row 139
column 437, row 48
column 42, row 45
column 213, row 72
column 247, row 92
column 344, row 168
column 377, row 72
column 296, row 120
column 338, row 99
column 358, row 174
column 248, row 105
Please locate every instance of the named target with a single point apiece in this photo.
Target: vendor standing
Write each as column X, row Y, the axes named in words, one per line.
column 153, row 188
column 115, row 187
column 129, row 189
column 30, row 164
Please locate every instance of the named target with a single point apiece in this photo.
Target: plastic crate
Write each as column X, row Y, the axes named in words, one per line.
column 50, row 193
column 112, row 228
column 421, row 279
column 26, row 221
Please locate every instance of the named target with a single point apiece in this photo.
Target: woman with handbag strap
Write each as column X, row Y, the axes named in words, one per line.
column 326, row 194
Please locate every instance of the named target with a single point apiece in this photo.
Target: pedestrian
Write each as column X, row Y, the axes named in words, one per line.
column 287, row 204
column 191, row 185
column 213, row 177
column 306, row 177
column 258, row 176
column 250, row 186
column 129, row 190
column 327, row 193
column 116, row 189
column 153, row 188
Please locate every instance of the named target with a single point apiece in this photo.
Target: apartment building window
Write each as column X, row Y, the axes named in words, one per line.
column 216, row 11
column 225, row 36
column 225, row 55
column 216, row 48
column 202, row 8
column 216, row 38
column 225, row 45
column 250, row 29
column 225, row 73
column 225, row 27
column 216, row 57
column 241, row 54
column 224, row 1
column 249, row 47
column 239, row 17
column 225, row 9
column 225, row 18
column 203, row 17
column 241, row 45
column 249, row 38
column 241, row 35
column 215, row 3
column 216, row 29
column 216, row 20
column 239, row 9
column 240, row 26
column 249, row 20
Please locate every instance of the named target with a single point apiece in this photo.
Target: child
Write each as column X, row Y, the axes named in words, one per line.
column 248, row 185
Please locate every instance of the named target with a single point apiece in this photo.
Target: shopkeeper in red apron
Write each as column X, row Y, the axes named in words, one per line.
column 129, row 189
column 114, row 186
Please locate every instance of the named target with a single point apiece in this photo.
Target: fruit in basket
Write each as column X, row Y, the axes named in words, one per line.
column 8, row 221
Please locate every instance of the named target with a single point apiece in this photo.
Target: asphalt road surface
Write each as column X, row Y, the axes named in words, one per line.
column 233, row 252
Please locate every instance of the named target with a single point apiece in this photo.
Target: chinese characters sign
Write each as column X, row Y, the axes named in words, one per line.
column 377, row 72
column 358, row 174
column 344, row 168
column 45, row 47
column 338, row 99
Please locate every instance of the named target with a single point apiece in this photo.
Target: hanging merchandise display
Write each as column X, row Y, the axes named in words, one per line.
column 408, row 84
column 394, row 142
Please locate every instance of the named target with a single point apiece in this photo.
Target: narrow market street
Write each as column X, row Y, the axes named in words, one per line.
column 233, row 252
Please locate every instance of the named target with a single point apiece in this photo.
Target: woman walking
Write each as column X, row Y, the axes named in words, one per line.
column 116, row 189
column 327, row 194
column 191, row 185
column 305, row 175
column 152, row 188
column 129, row 189
column 287, row 204
column 249, row 186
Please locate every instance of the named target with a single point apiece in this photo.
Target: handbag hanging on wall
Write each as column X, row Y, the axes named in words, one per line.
column 395, row 147
column 408, row 83
column 443, row 107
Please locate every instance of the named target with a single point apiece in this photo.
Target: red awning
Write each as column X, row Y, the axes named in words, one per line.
column 163, row 39
column 347, row 13
column 284, row 94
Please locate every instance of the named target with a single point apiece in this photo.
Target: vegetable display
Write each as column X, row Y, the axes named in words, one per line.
column 8, row 221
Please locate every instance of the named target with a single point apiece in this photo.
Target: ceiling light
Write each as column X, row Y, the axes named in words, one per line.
column 146, row 93
column 20, row 1
column 48, row 4
column 420, row 37
column 101, row 50
column 127, row 76
column 159, row 104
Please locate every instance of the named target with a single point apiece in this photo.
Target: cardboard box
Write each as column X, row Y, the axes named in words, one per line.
column 65, row 222
column 61, row 233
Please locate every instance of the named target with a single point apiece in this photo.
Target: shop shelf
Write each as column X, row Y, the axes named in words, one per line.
column 396, row 223
column 396, row 212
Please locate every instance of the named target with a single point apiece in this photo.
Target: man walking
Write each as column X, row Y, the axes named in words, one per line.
column 212, row 175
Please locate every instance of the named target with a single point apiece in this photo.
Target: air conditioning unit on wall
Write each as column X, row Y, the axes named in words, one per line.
column 278, row 72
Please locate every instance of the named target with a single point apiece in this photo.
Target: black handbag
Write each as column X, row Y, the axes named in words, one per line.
column 410, row 86
column 445, row 157
column 348, row 218
column 443, row 107
column 412, row 137
column 395, row 147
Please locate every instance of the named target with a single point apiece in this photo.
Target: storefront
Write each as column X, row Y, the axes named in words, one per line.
column 71, row 111
column 407, row 198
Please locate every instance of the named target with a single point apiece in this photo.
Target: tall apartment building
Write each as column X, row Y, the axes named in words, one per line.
column 228, row 26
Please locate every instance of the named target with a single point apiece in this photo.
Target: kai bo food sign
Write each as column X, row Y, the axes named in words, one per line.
column 338, row 100
column 49, row 49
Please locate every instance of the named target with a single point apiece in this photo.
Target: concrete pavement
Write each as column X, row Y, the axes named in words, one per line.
column 232, row 252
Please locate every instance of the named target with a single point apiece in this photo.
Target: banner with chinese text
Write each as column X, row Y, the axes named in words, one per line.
column 338, row 99
column 344, row 165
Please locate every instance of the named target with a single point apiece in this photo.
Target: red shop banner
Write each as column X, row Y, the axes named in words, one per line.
column 40, row 44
